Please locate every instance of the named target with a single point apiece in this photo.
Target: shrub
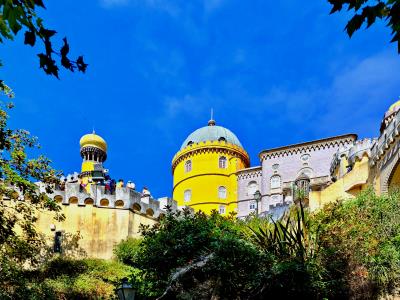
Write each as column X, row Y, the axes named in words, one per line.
column 360, row 246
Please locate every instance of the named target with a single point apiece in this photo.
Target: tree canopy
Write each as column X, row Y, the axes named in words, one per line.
column 368, row 11
column 17, row 15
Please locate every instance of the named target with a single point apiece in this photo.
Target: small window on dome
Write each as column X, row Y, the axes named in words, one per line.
column 222, row 139
column 189, row 143
column 222, row 162
column 188, row 166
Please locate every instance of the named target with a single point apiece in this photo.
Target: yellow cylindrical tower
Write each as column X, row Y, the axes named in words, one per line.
column 204, row 170
column 93, row 149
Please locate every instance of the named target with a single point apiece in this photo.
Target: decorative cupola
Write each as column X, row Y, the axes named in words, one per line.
column 93, row 150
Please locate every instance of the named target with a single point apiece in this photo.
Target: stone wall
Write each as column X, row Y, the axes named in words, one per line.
column 102, row 220
column 285, row 164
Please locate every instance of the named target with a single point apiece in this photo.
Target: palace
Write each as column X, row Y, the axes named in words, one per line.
column 212, row 171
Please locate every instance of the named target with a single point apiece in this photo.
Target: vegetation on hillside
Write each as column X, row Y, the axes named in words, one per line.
column 348, row 250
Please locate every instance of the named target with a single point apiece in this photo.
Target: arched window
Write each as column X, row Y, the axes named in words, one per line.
column 252, row 187
column 222, row 209
column 252, row 205
column 222, row 192
column 222, row 139
column 222, row 162
column 306, row 171
column 188, row 166
column 187, row 195
column 275, row 182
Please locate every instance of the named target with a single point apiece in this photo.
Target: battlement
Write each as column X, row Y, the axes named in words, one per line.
column 124, row 198
column 209, row 146
column 360, row 148
column 387, row 137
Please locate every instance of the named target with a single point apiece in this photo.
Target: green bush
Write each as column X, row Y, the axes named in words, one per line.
column 348, row 249
column 182, row 240
column 127, row 251
column 359, row 242
column 66, row 278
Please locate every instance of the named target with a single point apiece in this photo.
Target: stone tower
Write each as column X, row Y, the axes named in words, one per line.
column 204, row 169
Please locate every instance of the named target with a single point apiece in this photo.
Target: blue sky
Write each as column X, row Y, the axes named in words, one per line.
column 275, row 72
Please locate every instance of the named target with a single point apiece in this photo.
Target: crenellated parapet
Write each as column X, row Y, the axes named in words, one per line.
column 249, row 173
column 309, row 147
column 124, row 198
column 359, row 149
column 209, row 147
column 342, row 152
column 380, row 151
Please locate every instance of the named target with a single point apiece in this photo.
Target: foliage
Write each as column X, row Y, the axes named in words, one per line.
column 360, row 242
column 66, row 278
column 288, row 236
column 84, row 279
column 17, row 15
column 291, row 247
column 348, row 249
column 20, row 198
column 189, row 252
column 127, row 251
column 367, row 11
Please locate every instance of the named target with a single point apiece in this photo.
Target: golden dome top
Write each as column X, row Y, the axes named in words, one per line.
column 395, row 106
column 93, row 140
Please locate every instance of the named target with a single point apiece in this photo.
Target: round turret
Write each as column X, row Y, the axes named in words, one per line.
column 204, row 169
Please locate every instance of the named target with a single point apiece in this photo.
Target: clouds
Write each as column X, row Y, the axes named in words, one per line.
column 351, row 100
column 113, row 3
column 172, row 7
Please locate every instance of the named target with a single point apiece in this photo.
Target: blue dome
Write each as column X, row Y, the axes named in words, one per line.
column 211, row 133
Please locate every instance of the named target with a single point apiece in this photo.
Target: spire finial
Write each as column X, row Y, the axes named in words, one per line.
column 93, row 132
column 212, row 121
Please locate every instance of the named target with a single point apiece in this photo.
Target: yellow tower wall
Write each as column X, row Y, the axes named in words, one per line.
column 206, row 176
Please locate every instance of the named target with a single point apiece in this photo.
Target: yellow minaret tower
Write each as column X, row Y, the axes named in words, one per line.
column 204, row 169
column 93, row 150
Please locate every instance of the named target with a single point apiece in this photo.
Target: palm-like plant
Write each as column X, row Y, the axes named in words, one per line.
column 288, row 237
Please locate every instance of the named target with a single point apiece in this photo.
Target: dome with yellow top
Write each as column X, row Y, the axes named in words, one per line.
column 93, row 140
column 389, row 115
column 395, row 106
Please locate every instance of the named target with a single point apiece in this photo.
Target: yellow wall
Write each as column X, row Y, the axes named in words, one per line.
column 395, row 179
column 101, row 228
column 206, row 177
column 350, row 184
